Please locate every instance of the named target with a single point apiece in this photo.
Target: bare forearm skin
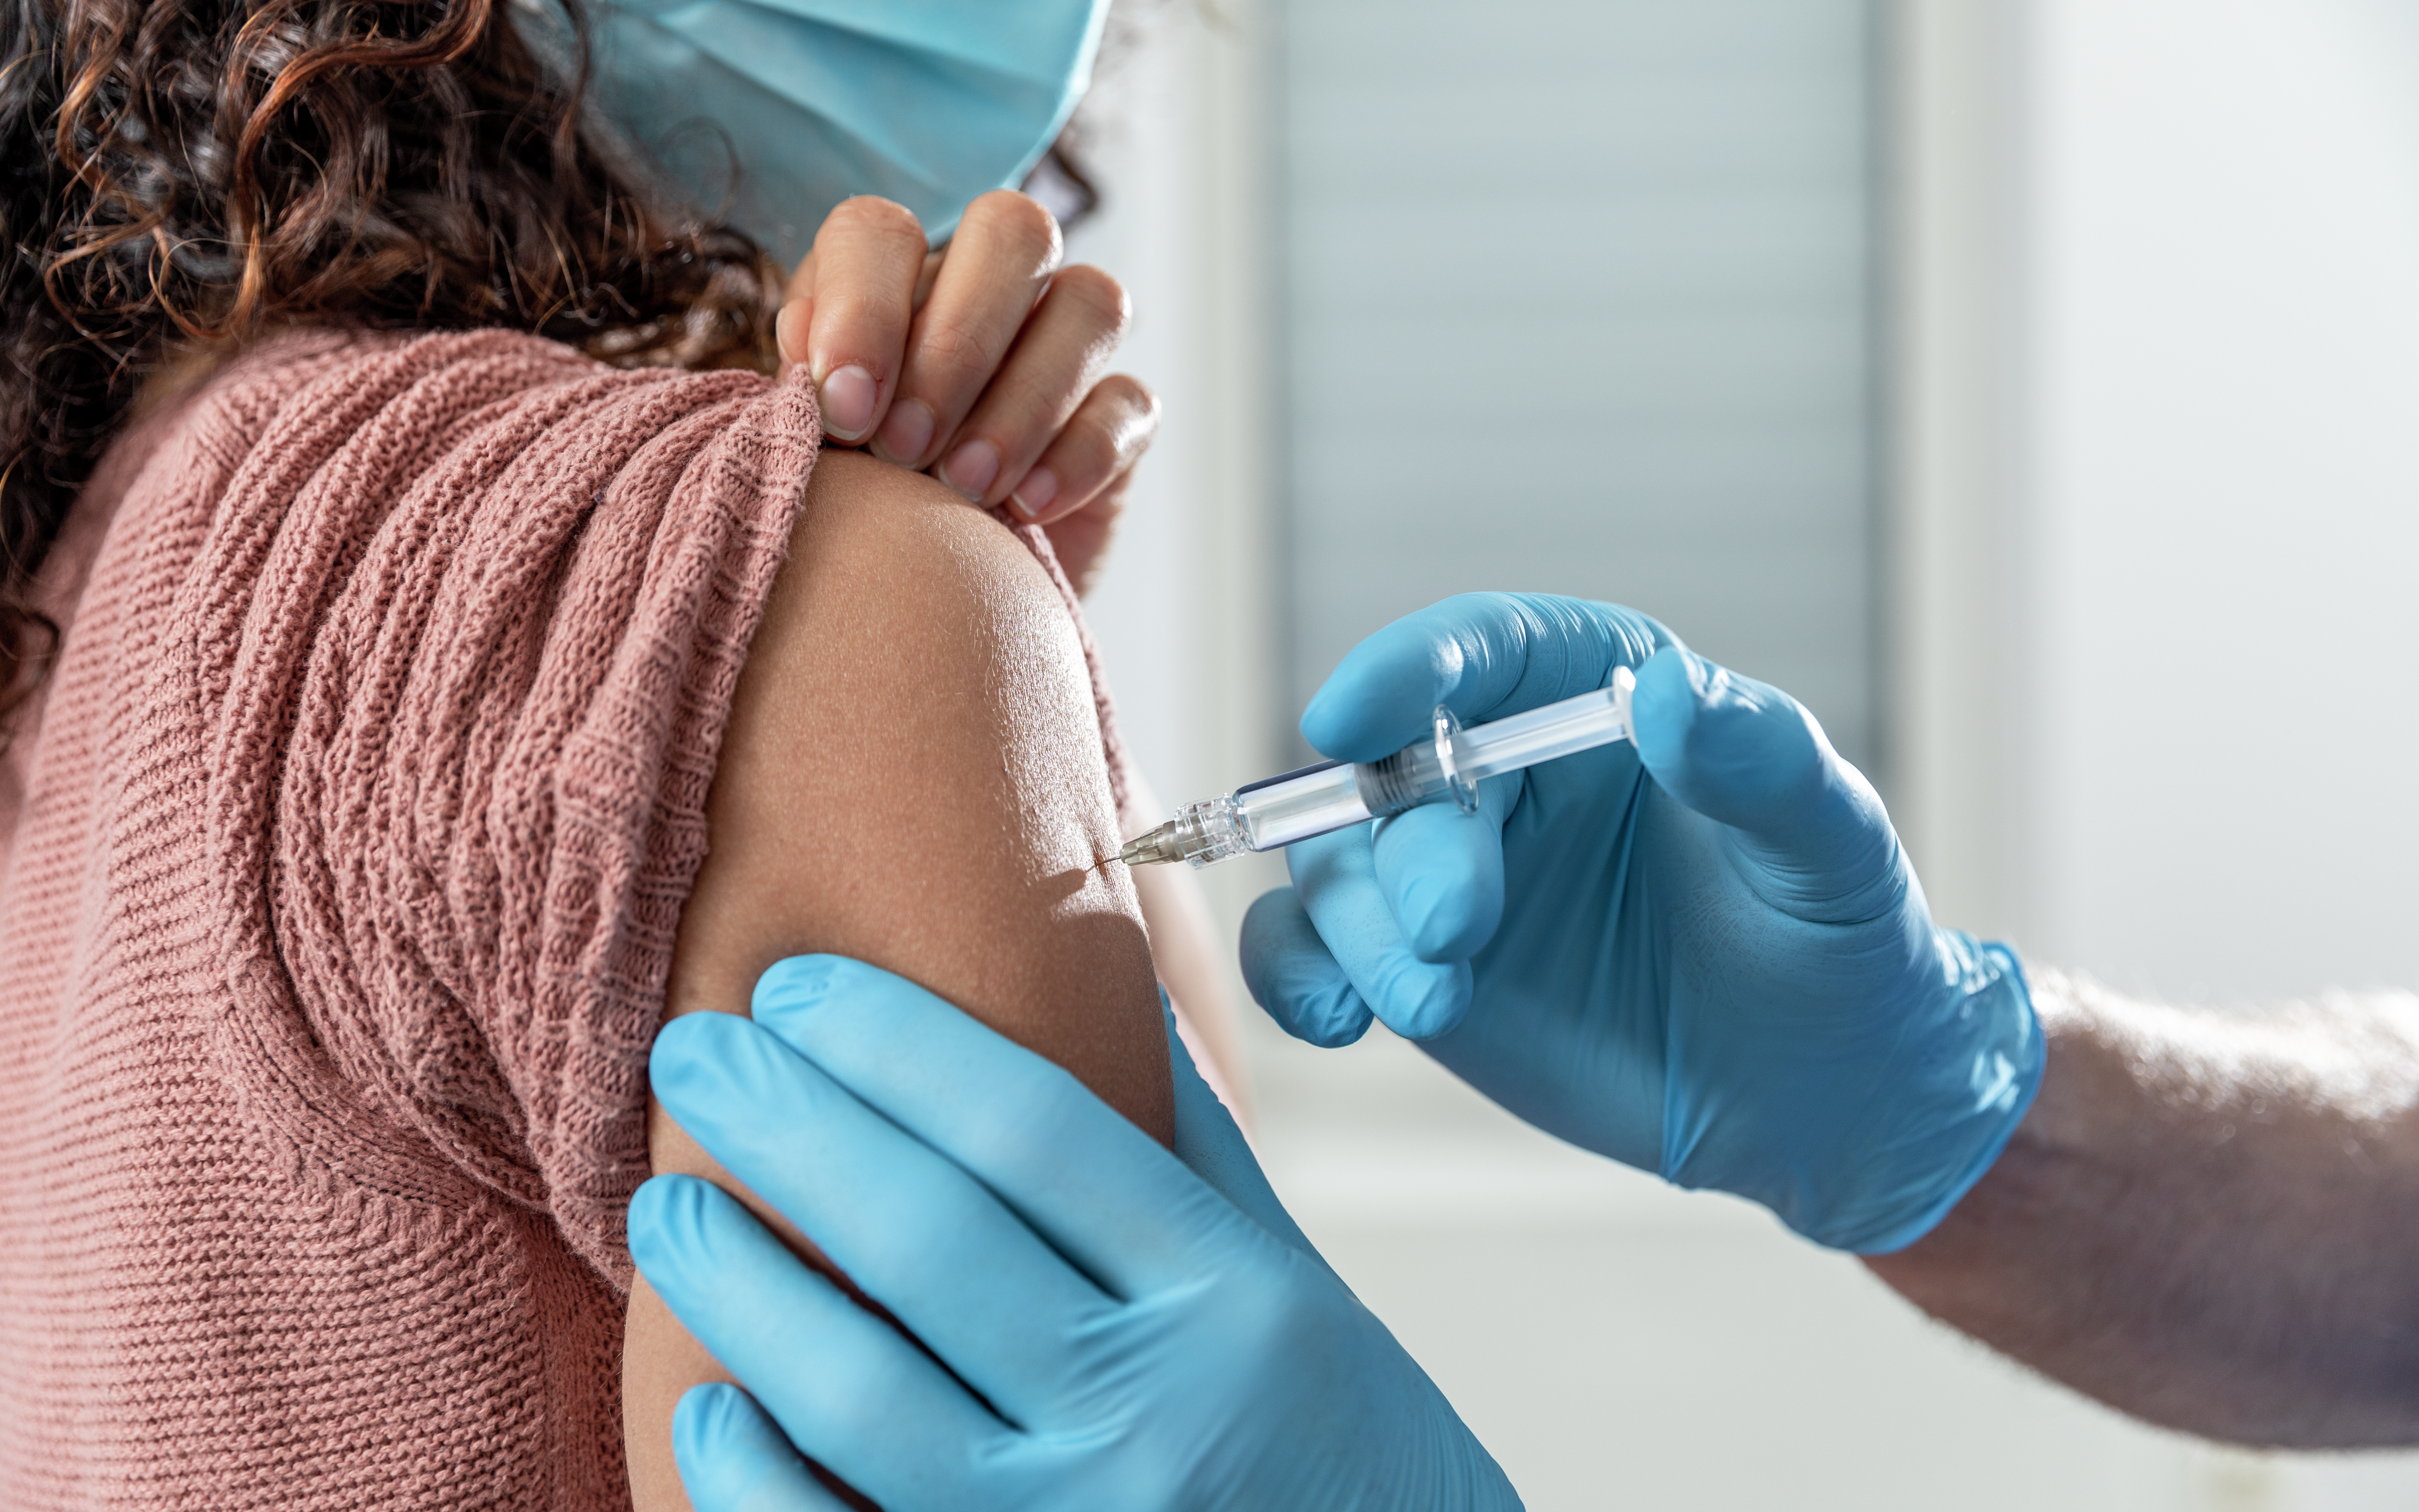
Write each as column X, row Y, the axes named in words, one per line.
column 2208, row 1221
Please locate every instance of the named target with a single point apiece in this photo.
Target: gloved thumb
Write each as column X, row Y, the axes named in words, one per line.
column 1748, row 755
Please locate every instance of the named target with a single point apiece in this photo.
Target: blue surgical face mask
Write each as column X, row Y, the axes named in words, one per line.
column 930, row 102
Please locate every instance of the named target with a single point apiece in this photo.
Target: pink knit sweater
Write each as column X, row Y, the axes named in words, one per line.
column 343, row 859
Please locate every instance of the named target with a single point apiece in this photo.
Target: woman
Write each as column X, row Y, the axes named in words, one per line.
column 436, row 652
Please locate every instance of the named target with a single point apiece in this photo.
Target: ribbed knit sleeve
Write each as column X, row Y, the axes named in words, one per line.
column 460, row 642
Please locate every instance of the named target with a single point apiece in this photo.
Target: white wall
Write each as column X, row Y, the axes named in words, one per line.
column 2162, row 410
column 2228, row 492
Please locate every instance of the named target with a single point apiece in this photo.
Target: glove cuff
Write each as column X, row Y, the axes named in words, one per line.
column 1986, row 1072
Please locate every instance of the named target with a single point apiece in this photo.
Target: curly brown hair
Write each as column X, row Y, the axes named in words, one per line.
column 185, row 174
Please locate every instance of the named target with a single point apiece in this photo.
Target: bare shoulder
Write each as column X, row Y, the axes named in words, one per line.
column 863, row 516
column 913, row 774
column 949, row 588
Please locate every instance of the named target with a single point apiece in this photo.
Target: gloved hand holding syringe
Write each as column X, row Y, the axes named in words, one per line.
column 1276, row 811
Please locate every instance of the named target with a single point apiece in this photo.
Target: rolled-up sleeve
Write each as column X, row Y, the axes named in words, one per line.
column 485, row 626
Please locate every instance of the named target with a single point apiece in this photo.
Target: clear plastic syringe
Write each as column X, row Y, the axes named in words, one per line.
column 1331, row 795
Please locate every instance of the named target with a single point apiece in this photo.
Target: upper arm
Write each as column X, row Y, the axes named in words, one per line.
column 912, row 775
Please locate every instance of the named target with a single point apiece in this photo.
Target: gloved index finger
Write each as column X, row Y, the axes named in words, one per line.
column 1097, row 1188
column 1481, row 654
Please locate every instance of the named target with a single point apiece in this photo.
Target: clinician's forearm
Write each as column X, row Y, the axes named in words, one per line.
column 2207, row 1221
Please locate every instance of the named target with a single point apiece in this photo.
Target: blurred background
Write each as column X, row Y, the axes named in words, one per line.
column 2030, row 386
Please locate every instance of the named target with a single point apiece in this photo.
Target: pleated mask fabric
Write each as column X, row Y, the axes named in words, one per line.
column 765, row 113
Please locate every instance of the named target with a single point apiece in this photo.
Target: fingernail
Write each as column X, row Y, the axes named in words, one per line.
column 793, row 983
column 971, row 468
column 1034, row 494
column 790, row 332
column 906, row 431
column 848, row 403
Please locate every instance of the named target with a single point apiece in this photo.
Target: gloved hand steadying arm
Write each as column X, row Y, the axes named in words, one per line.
column 1704, row 955
column 1143, row 1332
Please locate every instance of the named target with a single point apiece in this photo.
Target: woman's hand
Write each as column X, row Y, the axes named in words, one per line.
column 979, row 362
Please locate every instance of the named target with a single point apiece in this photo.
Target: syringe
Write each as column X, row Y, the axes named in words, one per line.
column 1317, row 799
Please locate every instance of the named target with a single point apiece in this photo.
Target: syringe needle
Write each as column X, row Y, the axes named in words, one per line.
column 1160, row 845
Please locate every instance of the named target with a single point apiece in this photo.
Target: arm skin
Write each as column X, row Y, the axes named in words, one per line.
column 912, row 776
column 1191, row 955
column 2208, row 1221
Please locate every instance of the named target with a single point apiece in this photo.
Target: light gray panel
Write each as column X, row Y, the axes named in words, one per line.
column 1578, row 299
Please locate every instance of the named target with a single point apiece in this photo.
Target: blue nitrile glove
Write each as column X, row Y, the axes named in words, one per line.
column 1704, row 955
column 1120, row 1332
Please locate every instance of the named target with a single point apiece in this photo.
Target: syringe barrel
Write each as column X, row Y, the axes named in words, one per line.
column 1299, row 805
column 1541, row 734
column 1315, row 799
column 1268, row 815
column 1274, row 813
column 1418, row 773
